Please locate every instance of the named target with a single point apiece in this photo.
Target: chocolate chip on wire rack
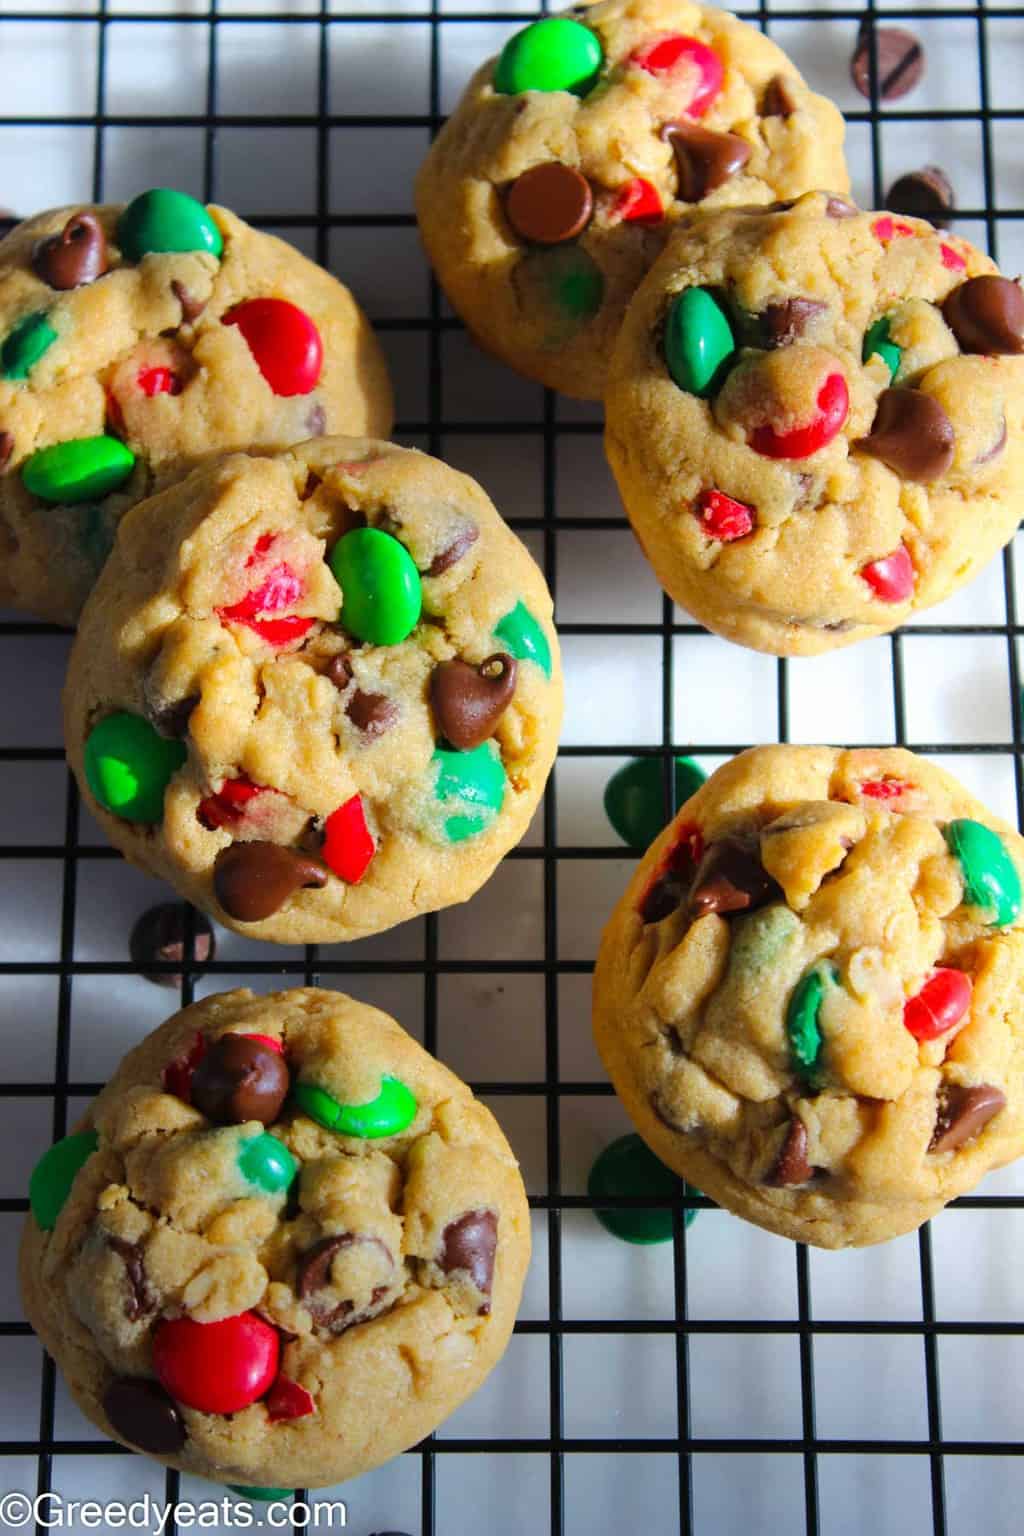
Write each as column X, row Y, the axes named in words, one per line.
column 899, row 61
column 924, row 194
column 159, row 936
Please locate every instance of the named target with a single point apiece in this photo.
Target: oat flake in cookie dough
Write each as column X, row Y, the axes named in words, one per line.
column 553, row 185
column 816, row 420
column 318, row 692
column 136, row 341
column 283, row 1245
column 809, row 997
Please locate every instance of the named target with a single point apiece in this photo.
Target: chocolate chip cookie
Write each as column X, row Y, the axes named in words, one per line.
column 816, row 420
column 282, row 1245
column 135, row 342
column 553, row 185
column 318, row 692
column 809, row 997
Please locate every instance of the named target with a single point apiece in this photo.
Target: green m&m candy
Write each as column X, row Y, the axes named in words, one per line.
column 82, row 469
column 165, row 220
column 388, row 1114
column 524, row 638
column 260, row 1495
column 25, row 345
column 629, row 1167
column 380, row 586
column 556, row 54
column 54, row 1174
column 878, row 342
column 634, row 797
column 564, row 284
column 699, row 341
column 471, row 787
column 267, row 1163
column 128, row 766
column 991, row 881
column 803, row 1029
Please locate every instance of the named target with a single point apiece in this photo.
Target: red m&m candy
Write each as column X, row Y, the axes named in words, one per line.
column 280, row 588
column 287, row 1399
column 216, row 1367
column 284, row 342
column 939, row 1006
column 799, row 443
column 665, row 55
column 638, row 203
column 722, row 518
column 892, row 577
column 348, row 843
column 227, row 806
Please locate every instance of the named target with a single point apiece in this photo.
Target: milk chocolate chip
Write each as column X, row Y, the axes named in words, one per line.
column 779, row 100
column 792, row 1167
column 470, row 1244
column 986, row 315
column 141, row 1300
column 460, row 545
column 141, row 1412
column 77, row 255
column 784, row 322
column 912, row 434
column 371, row 713
column 240, row 1079
column 730, row 878
column 314, row 1275
column 704, row 160
column 962, row 1113
column 159, row 936
column 252, row 881
column 549, row 203
column 469, row 701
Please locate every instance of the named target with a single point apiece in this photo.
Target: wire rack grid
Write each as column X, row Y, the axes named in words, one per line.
column 729, row 1382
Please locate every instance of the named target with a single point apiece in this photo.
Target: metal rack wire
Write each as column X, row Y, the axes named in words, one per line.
column 551, row 428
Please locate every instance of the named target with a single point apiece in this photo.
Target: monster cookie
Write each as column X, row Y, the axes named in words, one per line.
column 283, row 1245
column 135, row 342
column 318, row 692
column 809, row 998
column 816, row 420
column 553, row 185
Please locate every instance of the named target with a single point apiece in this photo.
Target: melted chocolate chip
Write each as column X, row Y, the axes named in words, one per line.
column 469, row 701
column 191, row 308
column 141, row 1300
column 704, row 160
column 312, row 481
column 141, row 1412
column 912, row 434
column 470, row 1244
column 460, row 545
column 339, row 671
column 314, row 1275
column 76, row 256
column 252, row 881
column 240, row 1079
column 792, row 1167
column 784, row 322
column 986, row 315
column 371, row 713
column 962, row 1113
column 779, row 100
column 664, row 897
column 730, row 878
column 171, row 720
column 316, row 421
column 160, row 935
column 6, row 449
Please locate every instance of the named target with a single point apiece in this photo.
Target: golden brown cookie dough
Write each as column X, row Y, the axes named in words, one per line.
column 541, row 208
column 151, row 352
column 816, row 420
column 809, row 997
column 251, row 1296
column 258, row 710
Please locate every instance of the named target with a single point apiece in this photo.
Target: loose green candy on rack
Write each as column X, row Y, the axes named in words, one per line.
column 81, row 469
column 556, row 54
column 267, row 1163
column 388, row 1114
column 381, row 592
column 25, row 345
column 877, row 341
column 53, row 1175
column 802, row 1027
column 524, row 638
column 164, row 220
column 991, row 880
column 699, row 341
column 474, row 782
column 634, row 797
column 629, row 1167
column 128, row 766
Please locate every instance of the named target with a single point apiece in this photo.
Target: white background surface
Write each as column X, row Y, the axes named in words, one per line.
column 491, row 1025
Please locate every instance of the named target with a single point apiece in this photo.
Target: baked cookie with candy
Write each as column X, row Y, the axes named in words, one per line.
column 809, row 997
column 318, row 692
column 554, row 183
column 280, row 1247
column 816, row 420
column 137, row 341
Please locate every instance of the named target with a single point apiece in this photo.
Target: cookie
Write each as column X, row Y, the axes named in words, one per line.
column 137, row 341
column 282, row 1245
column 555, row 182
column 816, row 420
column 318, row 692
column 809, row 997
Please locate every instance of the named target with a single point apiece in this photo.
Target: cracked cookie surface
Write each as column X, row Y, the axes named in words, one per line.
column 319, row 692
column 279, row 1328
column 808, row 998
column 815, row 417
column 542, row 207
column 158, row 358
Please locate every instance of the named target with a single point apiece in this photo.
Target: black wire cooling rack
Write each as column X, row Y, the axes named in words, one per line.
column 551, row 427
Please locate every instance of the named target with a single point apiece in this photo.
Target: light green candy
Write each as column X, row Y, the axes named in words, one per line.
column 25, row 346
column 267, row 1163
column 475, row 782
column 388, row 1114
column 54, row 1174
column 556, row 54
column 524, row 638
column 381, row 591
column 991, row 881
column 165, row 220
column 877, row 342
column 82, row 469
column 128, row 766
column 699, row 342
